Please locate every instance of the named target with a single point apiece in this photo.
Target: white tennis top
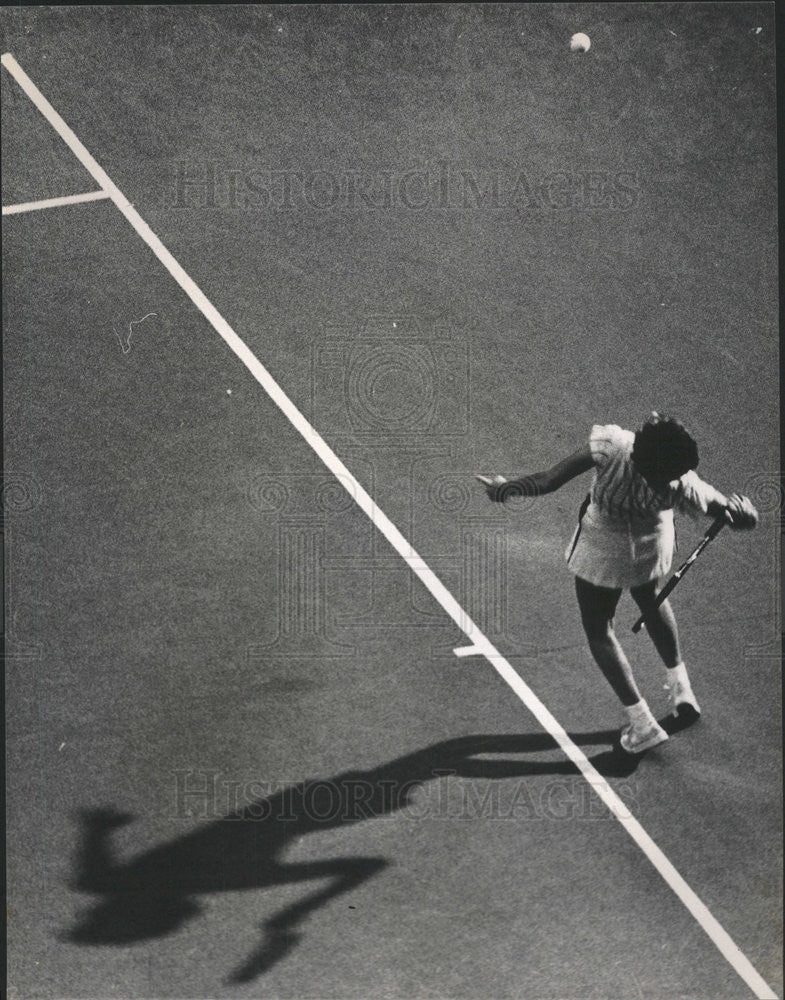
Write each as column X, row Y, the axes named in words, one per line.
column 619, row 492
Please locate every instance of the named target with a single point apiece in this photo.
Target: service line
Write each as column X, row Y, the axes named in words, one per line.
column 69, row 199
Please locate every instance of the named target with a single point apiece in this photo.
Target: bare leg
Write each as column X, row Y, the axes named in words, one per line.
column 280, row 934
column 598, row 606
column 660, row 623
column 97, row 867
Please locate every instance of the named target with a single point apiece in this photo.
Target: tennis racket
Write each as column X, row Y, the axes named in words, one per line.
column 714, row 529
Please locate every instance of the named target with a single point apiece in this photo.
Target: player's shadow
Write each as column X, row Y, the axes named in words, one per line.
column 154, row 893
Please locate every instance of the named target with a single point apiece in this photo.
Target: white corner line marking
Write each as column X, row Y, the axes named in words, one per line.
column 69, row 199
column 467, row 651
column 716, row 932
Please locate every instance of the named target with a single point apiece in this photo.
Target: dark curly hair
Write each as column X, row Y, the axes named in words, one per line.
column 664, row 450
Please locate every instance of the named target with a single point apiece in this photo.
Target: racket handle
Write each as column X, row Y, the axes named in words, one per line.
column 716, row 527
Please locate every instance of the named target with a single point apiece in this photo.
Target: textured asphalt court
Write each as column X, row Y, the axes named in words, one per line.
column 192, row 602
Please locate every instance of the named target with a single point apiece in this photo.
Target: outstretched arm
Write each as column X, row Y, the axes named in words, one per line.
column 698, row 498
column 539, row 483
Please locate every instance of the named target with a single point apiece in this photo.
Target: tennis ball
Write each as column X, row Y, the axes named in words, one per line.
column 580, row 42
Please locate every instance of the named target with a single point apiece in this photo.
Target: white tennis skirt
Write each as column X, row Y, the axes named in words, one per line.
column 621, row 553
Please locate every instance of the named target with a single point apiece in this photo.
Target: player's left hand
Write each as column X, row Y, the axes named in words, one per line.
column 740, row 513
column 494, row 487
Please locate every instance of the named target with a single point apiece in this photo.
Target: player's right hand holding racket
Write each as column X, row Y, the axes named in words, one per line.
column 740, row 513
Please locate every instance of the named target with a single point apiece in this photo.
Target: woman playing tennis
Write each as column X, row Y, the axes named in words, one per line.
column 625, row 540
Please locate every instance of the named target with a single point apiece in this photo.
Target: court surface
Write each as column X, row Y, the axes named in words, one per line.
column 243, row 757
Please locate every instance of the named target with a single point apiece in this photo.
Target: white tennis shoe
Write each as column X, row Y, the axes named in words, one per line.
column 643, row 734
column 681, row 695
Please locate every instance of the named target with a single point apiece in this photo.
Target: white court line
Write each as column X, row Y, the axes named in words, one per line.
column 481, row 644
column 467, row 651
column 69, row 199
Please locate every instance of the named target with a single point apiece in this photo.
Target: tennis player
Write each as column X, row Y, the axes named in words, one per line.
column 625, row 540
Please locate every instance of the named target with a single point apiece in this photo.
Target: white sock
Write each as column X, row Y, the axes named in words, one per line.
column 677, row 674
column 638, row 712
